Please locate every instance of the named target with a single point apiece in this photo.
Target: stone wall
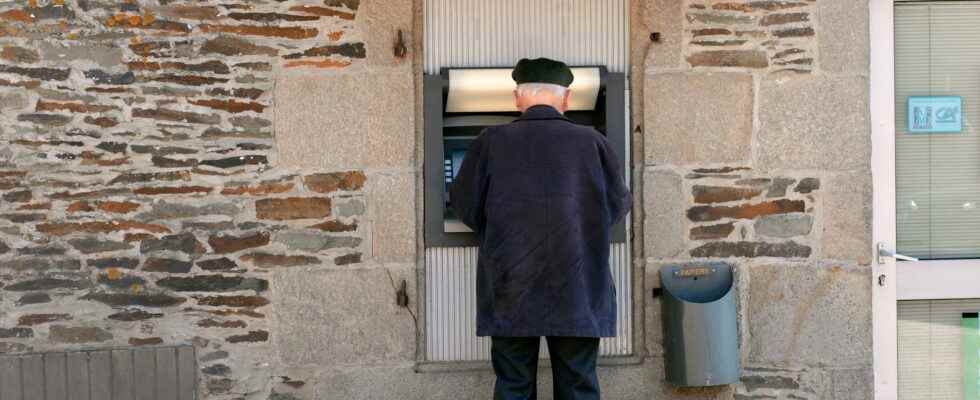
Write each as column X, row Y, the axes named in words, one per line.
column 757, row 149
column 243, row 175
column 188, row 172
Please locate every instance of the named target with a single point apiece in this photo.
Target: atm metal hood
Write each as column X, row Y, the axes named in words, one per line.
column 492, row 90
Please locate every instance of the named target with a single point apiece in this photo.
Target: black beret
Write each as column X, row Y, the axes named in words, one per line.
column 542, row 70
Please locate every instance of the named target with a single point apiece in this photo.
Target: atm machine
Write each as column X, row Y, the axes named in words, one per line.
column 458, row 104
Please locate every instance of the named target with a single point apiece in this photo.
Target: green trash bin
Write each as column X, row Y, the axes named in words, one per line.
column 700, row 325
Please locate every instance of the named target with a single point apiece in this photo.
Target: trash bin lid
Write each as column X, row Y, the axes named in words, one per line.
column 697, row 283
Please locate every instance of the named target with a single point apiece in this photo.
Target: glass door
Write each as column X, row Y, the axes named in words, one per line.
column 926, row 161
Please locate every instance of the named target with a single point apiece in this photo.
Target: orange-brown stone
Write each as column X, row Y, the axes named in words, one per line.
column 293, row 208
column 73, row 107
column 37, row 319
column 172, row 190
column 79, row 206
column 259, row 189
column 118, row 207
column 223, row 244
column 291, row 32
column 231, row 106
column 326, row 183
column 103, row 122
column 35, row 206
column 17, row 15
column 335, row 226
column 721, row 194
column 747, row 211
column 323, row 12
column 318, row 63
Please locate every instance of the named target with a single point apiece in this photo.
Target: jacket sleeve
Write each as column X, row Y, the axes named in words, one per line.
column 468, row 192
column 619, row 199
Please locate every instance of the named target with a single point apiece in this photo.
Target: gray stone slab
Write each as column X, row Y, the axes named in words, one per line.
column 349, row 208
column 312, row 241
column 844, row 36
column 698, row 118
column 664, row 226
column 105, row 56
column 621, row 382
column 817, row 122
column 378, row 23
column 847, row 217
column 666, row 18
column 391, row 202
column 784, row 225
column 767, row 382
column 365, row 119
column 653, row 317
column 810, row 314
column 853, row 384
column 13, row 100
column 342, row 317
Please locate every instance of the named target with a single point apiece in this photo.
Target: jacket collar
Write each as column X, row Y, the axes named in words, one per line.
column 541, row 111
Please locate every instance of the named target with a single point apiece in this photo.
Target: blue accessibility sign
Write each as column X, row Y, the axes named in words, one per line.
column 935, row 114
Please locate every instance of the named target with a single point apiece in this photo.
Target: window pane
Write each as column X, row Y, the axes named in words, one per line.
column 938, row 174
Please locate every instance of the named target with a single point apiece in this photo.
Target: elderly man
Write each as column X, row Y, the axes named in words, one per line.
column 542, row 193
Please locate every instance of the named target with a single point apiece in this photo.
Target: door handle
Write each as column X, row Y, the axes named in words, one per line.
column 884, row 252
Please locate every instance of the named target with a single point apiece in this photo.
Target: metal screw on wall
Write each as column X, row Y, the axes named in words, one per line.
column 400, row 49
column 655, row 37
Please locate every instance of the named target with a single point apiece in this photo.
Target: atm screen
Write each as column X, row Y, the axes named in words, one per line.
column 455, row 151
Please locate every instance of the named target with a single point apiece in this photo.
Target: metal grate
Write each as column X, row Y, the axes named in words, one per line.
column 147, row 373
column 497, row 33
column 450, row 277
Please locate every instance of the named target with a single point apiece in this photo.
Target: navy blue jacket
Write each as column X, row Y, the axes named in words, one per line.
column 542, row 193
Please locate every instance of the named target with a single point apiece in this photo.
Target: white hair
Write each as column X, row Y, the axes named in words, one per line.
column 534, row 89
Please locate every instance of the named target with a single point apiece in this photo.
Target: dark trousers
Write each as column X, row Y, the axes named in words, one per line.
column 573, row 360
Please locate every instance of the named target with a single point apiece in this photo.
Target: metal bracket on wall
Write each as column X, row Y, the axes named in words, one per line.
column 400, row 49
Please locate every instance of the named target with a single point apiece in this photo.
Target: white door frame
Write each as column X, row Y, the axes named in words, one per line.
column 891, row 281
column 884, row 293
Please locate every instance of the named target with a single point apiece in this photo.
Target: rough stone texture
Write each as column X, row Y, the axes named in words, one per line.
column 665, row 17
column 386, row 139
column 853, row 384
column 323, row 321
column 664, row 227
column 802, row 126
column 810, row 314
column 140, row 156
column 66, row 334
column 765, row 382
column 843, row 32
column 784, row 226
column 652, row 311
column 141, row 122
column 391, row 198
column 378, row 24
column 848, row 217
column 764, row 36
column 633, row 382
column 716, row 109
